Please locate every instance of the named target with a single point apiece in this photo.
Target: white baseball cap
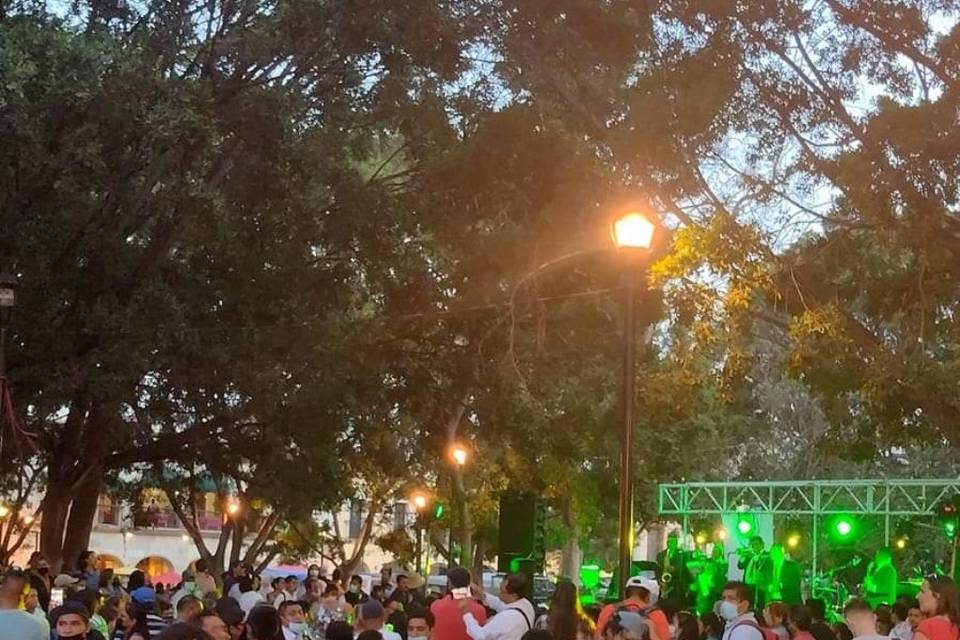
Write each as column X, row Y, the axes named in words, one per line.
column 646, row 583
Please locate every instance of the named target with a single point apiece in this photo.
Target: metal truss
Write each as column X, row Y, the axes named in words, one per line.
column 813, row 498
column 809, row 497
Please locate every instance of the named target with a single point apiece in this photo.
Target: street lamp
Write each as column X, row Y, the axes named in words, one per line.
column 8, row 298
column 632, row 234
column 233, row 508
column 420, row 502
column 459, row 454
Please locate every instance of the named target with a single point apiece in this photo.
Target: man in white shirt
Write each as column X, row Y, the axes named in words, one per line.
column 249, row 596
column 294, row 620
column 515, row 614
column 861, row 620
column 736, row 608
column 371, row 617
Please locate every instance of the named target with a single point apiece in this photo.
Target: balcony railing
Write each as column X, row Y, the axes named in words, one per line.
column 161, row 518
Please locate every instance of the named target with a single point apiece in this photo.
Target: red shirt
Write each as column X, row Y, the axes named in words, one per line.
column 938, row 628
column 448, row 621
column 658, row 620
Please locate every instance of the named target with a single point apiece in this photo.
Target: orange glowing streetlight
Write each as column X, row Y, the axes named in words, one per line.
column 633, row 231
column 459, row 454
column 233, row 508
column 419, row 501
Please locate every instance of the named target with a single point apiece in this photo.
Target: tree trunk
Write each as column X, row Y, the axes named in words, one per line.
column 572, row 557
column 83, row 509
column 55, row 504
column 476, row 567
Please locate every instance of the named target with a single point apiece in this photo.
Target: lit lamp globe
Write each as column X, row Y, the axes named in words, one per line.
column 633, row 231
column 459, row 454
column 419, row 501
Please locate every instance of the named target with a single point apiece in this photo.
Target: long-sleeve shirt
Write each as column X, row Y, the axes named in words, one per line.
column 511, row 622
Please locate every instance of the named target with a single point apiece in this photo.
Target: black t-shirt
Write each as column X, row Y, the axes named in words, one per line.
column 353, row 599
column 821, row 631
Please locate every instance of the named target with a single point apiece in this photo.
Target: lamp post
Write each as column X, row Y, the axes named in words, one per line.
column 8, row 298
column 419, row 504
column 460, row 455
column 632, row 234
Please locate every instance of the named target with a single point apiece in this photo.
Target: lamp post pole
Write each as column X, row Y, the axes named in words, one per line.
column 633, row 236
column 626, row 442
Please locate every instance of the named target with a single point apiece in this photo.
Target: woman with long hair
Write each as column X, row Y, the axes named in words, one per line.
column 135, row 623
column 940, row 603
column 566, row 620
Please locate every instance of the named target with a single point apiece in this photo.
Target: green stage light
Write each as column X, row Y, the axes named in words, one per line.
column 437, row 510
column 744, row 525
column 844, row 528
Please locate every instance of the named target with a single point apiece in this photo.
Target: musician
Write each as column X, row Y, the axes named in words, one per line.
column 880, row 583
column 708, row 584
column 673, row 569
column 780, row 577
column 751, row 560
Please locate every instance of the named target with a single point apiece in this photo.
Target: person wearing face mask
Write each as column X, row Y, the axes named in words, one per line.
column 419, row 624
column 355, row 595
column 736, row 609
column 294, row 620
column 71, row 621
column 329, row 608
column 40, row 578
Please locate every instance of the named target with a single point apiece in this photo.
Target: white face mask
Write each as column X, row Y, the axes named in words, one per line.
column 728, row 610
column 418, row 637
column 298, row 627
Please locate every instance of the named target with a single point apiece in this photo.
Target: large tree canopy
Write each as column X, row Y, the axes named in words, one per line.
column 313, row 223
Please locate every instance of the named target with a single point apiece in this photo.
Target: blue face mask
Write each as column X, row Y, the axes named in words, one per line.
column 728, row 610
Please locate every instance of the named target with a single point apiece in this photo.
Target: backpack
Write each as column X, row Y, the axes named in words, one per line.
column 642, row 612
column 766, row 634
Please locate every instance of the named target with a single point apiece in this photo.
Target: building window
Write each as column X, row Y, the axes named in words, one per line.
column 356, row 518
column 399, row 516
column 107, row 511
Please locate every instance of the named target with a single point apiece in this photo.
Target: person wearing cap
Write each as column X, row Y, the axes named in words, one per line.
column 515, row 614
column 71, row 621
column 16, row 624
column 146, row 598
column 66, row 582
column 371, row 617
column 642, row 594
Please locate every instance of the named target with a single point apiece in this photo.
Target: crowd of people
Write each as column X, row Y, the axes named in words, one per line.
column 93, row 604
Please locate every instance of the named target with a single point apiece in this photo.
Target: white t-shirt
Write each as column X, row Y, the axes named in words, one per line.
column 249, row 600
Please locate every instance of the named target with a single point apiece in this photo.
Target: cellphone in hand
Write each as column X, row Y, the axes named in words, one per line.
column 461, row 592
column 56, row 598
